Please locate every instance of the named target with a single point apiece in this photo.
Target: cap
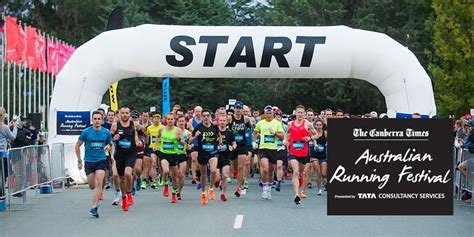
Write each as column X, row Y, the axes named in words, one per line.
column 134, row 114
column 238, row 105
column 157, row 114
column 268, row 108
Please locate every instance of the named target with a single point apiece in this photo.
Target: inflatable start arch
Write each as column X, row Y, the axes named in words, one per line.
column 239, row 52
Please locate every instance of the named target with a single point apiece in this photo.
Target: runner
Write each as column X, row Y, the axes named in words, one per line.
column 249, row 160
column 141, row 132
column 182, row 155
column 127, row 140
column 209, row 141
column 194, row 154
column 150, row 160
column 282, row 153
column 95, row 138
column 145, row 120
column 297, row 137
column 269, row 130
column 225, row 154
column 318, row 157
column 168, row 137
column 237, row 125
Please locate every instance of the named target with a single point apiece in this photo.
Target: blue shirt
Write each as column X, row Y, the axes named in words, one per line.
column 94, row 143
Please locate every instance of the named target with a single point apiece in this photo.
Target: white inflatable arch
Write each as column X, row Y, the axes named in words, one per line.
column 239, row 52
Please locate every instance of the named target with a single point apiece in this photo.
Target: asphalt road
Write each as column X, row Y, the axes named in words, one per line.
column 66, row 214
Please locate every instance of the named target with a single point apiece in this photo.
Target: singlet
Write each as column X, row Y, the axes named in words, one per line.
column 280, row 141
column 297, row 145
column 195, row 124
column 152, row 132
column 181, row 147
column 142, row 137
column 227, row 139
column 169, row 142
column 268, row 139
column 321, row 148
column 238, row 127
column 207, row 141
column 126, row 143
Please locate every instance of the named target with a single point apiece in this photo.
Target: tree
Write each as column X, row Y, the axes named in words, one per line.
column 451, row 61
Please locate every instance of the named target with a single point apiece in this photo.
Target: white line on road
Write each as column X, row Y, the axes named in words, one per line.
column 238, row 221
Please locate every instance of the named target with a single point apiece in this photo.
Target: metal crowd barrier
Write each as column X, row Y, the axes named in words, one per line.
column 31, row 167
column 463, row 184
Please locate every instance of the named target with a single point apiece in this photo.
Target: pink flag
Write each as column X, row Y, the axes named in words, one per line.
column 52, row 57
column 15, row 41
column 62, row 59
column 40, row 54
column 31, row 42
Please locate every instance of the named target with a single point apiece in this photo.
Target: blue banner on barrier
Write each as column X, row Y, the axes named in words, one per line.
column 72, row 122
column 401, row 115
column 165, row 96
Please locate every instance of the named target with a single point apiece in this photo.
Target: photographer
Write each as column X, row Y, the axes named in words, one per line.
column 19, row 160
column 6, row 136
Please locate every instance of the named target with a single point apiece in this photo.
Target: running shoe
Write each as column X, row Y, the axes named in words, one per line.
column 179, row 196
column 129, row 199
column 273, row 184
column 264, row 193
column 143, row 184
column 269, row 193
column 278, row 186
column 94, row 212
column 101, row 196
column 244, row 191
column 166, row 191
column 124, row 204
column 310, row 185
column 161, row 183
column 203, row 198
column 199, row 186
column 134, row 191
column 107, row 186
column 138, row 184
column 297, row 200
column 194, row 181
column 116, row 198
column 153, row 185
column 173, row 198
column 211, row 194
column 229, row 180
column 216, row 184
column 223, row 198
column 237, row 193
column 260, row 183
column 320, row 191
column 302, row 195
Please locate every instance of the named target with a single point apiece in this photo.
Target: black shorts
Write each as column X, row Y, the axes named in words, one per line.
column 171, row 158
column 224, row 159
column 182, row 158
column 123, row 162
column 271, row 155
column 204, row 157
column 149, row 151
column 303, row 160
column 240, row 150
column 282, row 155
column 92, row 167
column 140, row 155
column 195, row 148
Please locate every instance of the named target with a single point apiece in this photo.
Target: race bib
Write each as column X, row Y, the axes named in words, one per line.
column 280, row 143
column 320, row 148
column 224, row 146
column 168, row 146
column 180, row 146
column 97, row 145
column 125, row 143
column 239, row 138
column 153, row 139
column 298, row 145
column 208, row 147
column 269, row 139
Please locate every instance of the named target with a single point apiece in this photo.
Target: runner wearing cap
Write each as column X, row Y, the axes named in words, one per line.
column 269, row 130
column 150, row 160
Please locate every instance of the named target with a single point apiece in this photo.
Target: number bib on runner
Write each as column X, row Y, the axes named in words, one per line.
column 168, row 146
column 153, row 139
column 239, row 138
column 208, row 147
column 125, row 143
column 269, row 139
column 298, row 145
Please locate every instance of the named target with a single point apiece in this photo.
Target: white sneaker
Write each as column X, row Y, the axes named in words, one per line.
column 320, row 191
column 269, row 193
column 243, row 191
column 264, row 192
column 116, row 198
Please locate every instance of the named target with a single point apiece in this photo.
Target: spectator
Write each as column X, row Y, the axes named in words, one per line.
column 6, row 136
column 468, row 144
column 23, row 138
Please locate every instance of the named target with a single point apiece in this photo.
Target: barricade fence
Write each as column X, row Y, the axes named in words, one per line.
column 31, row 167
column 463, row 184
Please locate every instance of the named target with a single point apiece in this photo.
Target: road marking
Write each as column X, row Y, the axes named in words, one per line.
column 238, row 221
